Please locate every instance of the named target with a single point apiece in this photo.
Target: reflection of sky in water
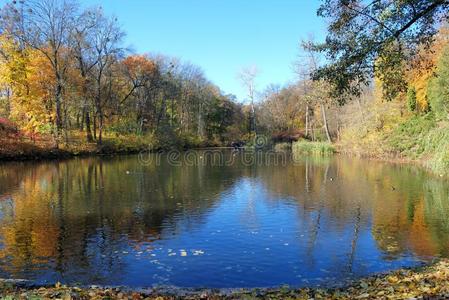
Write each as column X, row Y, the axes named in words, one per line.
column 83, row 221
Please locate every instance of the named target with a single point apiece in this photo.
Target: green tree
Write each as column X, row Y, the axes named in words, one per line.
column 411, row 99
column 360, row 32
column 439, row 87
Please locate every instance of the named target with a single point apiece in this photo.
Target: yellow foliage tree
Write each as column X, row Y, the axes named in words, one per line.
column 423, row 67
column 28, row 75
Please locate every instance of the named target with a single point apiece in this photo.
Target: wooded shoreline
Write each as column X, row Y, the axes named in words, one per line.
column 42, row 154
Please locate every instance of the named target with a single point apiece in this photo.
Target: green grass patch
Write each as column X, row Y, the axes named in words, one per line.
column 422, row 138
column 313, row 148
column 407, row 138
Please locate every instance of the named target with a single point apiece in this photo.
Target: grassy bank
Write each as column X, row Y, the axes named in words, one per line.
column 425, row 282
column 423, row 139
column 44, row 148
column 20, row 147
column 420, row 139
column 313, row 148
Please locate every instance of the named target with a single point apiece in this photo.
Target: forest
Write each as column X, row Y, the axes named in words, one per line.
column 377, row 86
column 67, row 78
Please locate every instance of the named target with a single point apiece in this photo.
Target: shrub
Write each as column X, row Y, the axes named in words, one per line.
column 282, row 146
column 411, row 99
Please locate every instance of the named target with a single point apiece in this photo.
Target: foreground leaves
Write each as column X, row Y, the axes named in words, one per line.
column 431, row 282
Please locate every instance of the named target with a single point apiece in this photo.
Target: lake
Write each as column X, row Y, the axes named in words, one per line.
column 221, row 220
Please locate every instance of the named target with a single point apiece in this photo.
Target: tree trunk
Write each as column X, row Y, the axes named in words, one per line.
column 360, row 109
column 200, row 121
column 87, row 122
column 253, row 117
column 66, row 125
column 313, row 131
column 8, row 101
column 95, row 126
column 325, row 125
column 58, row 100
column 80, row 120
column 86, row 114
column 100, row 132
column 100, row 125
column 307, row 121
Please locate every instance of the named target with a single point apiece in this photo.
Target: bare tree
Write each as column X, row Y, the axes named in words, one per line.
column 247, row 77
column 316, row 91
column 107, row 37
column 86, row 60
column 281, row 107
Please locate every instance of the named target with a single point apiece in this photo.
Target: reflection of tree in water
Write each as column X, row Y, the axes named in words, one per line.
column 79, row 214
column 355, row 238
column 319, row 210
column 396, row 202
column 436, row 212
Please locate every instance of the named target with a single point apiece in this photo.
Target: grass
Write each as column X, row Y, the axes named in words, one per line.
column 408, row 137
column 424, row 139
column 420, row 138
column 282, row 146
column 313, row 148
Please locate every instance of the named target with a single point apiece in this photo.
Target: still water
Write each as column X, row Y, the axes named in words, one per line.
column 307, row 221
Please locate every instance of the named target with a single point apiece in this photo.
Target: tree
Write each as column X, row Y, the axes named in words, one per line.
column 317, row 91
column 107, row 37
column 28, row 80
column 411, row 99
column 46, row 26
column 438, row 87
column 360, row 32
column 281, row 108
column 63, row 69
column 13, row 71
column 86, row 60
column 140, row 74
column 247, row 77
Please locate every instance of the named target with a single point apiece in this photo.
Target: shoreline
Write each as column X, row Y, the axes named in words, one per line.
column 30, row 152
column 393, row 159
column 60, row 154
column 41, row 154
column 107, row 150
column 427, row 281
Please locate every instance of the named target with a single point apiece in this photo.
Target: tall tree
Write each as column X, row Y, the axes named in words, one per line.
column 46, row 26
column 439, row 87
column 140, row 74
column 318, row 90
column 86, row 60
column 107, row 38
column 248, row 77
column 360, row 32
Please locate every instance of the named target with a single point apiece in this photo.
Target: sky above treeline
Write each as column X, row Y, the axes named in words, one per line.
column 221, row 36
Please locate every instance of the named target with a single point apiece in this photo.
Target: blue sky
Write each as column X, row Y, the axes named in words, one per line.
column 221, row 36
